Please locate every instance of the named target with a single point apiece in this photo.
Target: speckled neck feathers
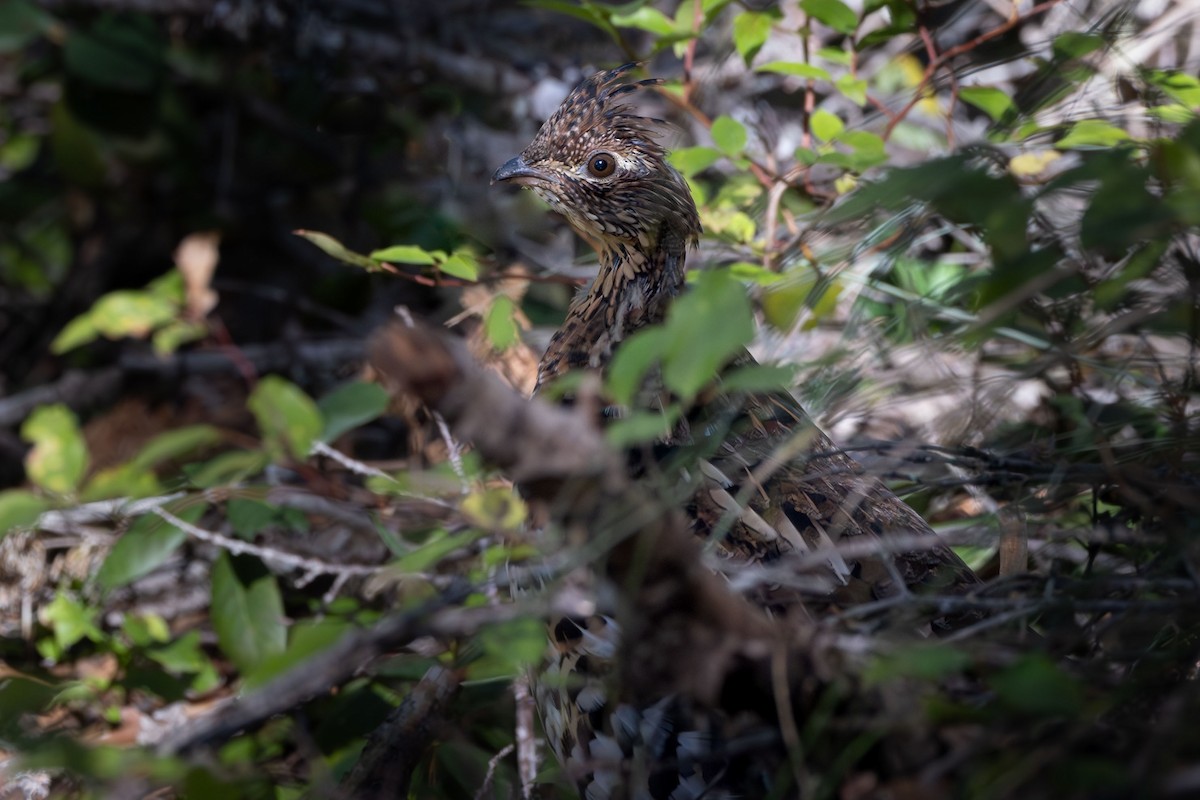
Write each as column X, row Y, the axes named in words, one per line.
column 631, row 291
column 603, row 168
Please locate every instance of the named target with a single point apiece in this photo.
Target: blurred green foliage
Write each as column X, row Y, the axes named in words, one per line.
column 965, row 251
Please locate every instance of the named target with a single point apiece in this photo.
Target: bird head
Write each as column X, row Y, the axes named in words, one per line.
column 603, row 168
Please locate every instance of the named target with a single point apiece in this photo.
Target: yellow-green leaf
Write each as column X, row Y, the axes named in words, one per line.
column 690, row 160
column 501, row 323
column 71, row 621
column 59, row 456
column 1093, row 133
column 729, row 135
column 78, row 331
column 991, row 101
column 123, row 480
column 825, row 125
column 495, row 509
column 794, row 68
column 854, row 88
column 131, row 313
column 833, row 13
column 338, row 250
column 646, row 18
column 461, row 265
column 750, row 31
column 404, row 254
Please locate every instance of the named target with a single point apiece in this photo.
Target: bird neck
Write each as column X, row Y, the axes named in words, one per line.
column 635, row 285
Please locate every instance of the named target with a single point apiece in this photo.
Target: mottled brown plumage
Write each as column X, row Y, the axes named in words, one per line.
column 776, row 496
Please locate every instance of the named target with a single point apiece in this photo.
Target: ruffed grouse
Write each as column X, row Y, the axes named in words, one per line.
column 603, row 168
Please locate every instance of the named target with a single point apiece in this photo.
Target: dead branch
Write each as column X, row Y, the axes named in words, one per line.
column 395, row 748
column 564, row 464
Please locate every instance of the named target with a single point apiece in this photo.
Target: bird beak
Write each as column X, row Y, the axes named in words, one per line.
column 515, row 169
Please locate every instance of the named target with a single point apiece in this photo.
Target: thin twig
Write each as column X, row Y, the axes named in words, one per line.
column 527, row 740
column 310, row 566
column 965, row 47
column 490, row 777
column 357, row 467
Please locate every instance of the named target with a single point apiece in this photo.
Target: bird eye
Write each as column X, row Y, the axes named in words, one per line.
column 601, row 165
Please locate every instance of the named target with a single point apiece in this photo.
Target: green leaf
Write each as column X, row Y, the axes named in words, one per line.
column 77, row 332
column 729, row 135
column 1093, row 133
column 993, row 102
column 404, row 254
column 633, row 359
column 247, row 613
column 782, row 303
column 509, row 648
column 863, row 141
column 145, row 630
column 1035, row 685
column 131, row 313
column 461, row 265
column 758, row 378
column 869, row 149
column 728, row 223
column 227, row 468
column 20, row 23
column 750, row 31
column 19, row 509
column 646, row 18
column 437, row 547
column 596, row 14
column 1122, row 211
column 754, row 273
column 642, row 426
column 175, row 334
column 836, row 55
column 928, row 662
column 334, row 248
column 59, row 457
column 288, row 418
column 122, row 480
column 350, row 405
column 1074, row 44
column 248, row 516
column 175, row 444
column 714, row 311
column 20, row 150
column 1181, row 87
column 182, row 656
column 71, row 621
column 690, row 160
column 854, row 88
column 824, row 125
column 500, row 323
column 833, row 13
column 1175, row 113
column 149, row 542
column 794, row 68
column 305, row 639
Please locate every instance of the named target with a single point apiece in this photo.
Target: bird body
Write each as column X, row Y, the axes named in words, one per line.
column 772, row 494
